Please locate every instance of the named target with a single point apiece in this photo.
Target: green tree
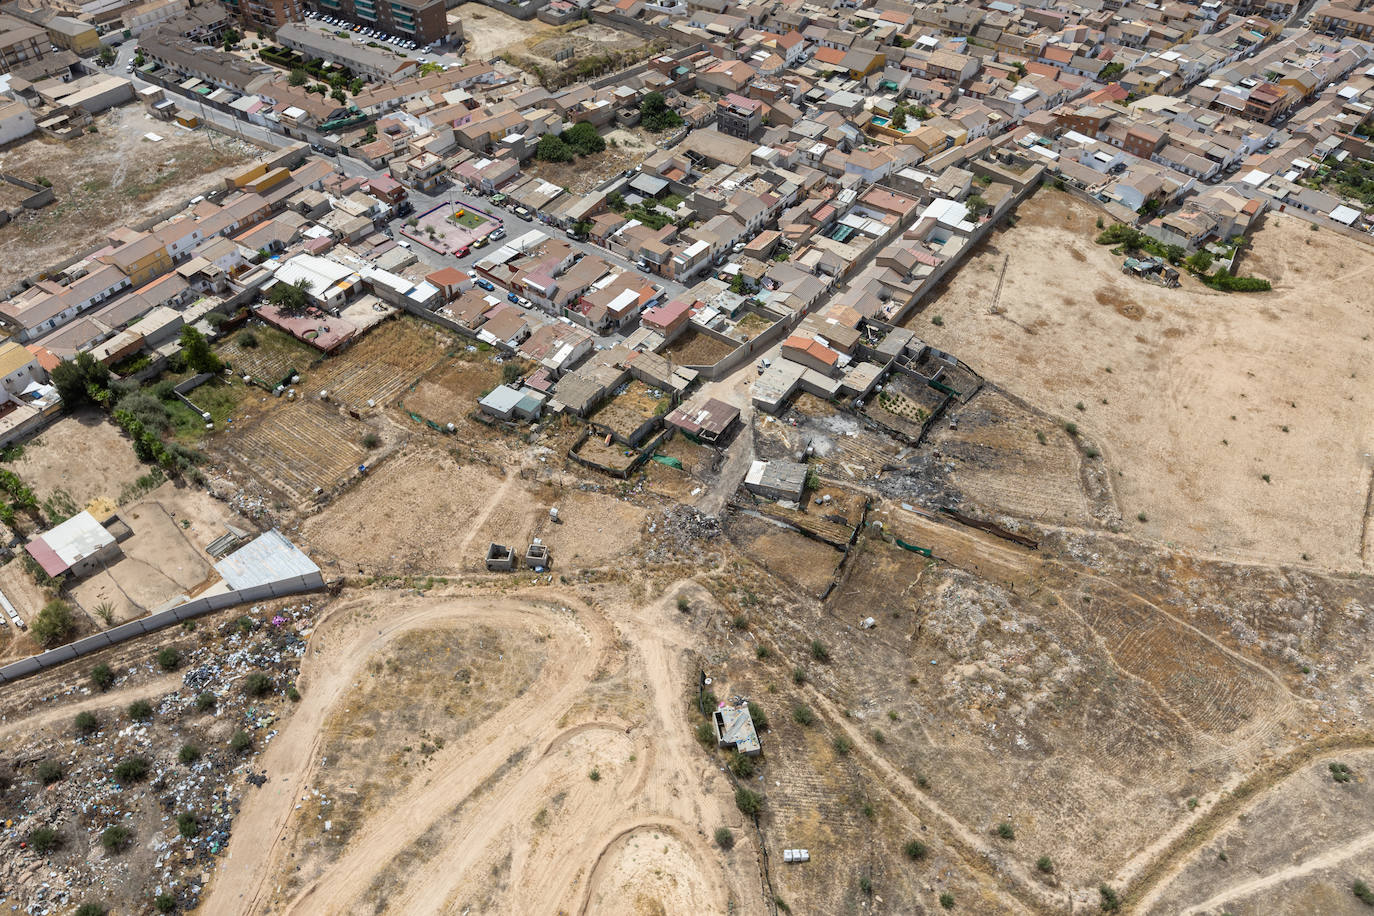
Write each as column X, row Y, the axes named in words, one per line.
column 107, row 56
column 54, row 624
column 291, row 298
column 298, row 77
column 655, row 114
column 899, row 119
column 338, row 96
column 79, row 380
column 1110, row 72
column 196, row 349
column 551, row 148
column 583, row 139
column 1199, row 262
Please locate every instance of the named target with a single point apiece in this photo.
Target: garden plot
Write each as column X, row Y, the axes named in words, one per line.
column 266, row 353
column 382, row 364
column 298, row 449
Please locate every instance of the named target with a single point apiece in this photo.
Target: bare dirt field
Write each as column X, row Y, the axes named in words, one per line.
column 487, row 31
column 1236, row 421
column 537, row 47
column 82, row 454
column 547, row 776
column 109, row 178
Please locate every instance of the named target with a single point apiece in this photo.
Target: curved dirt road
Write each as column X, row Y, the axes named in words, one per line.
column 486, row 801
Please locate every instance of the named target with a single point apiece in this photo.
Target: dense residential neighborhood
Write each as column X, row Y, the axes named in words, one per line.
column 436, row 436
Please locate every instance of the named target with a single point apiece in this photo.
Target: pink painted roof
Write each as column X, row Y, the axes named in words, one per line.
column 47, row 558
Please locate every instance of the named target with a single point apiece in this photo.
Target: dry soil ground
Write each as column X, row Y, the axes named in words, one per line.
column 83, row 454
column 109, row 178
column 551, row 778
column 625, row 148
column 1238, row 422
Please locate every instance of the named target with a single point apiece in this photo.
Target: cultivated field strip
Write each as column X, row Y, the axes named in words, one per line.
column 382, row 365
column 297, row 449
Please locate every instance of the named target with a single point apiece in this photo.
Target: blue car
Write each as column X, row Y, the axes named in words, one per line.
column 485, row 284
column 513, row 298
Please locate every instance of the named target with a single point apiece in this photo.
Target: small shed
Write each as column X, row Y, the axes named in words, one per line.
column 777, row 480
column 508, row 403
column 735, row 728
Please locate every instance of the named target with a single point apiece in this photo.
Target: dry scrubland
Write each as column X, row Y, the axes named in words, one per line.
column 1193, row 395
column 110, row 178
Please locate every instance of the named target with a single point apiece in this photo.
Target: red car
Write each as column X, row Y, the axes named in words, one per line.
column 464, row 251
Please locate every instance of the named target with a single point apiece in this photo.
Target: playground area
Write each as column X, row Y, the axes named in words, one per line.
column 452, row 226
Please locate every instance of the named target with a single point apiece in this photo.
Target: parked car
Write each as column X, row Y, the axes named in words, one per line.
column 403, row 243
column 464, row 251
column 498, row 235
column 483, row 242
column 485, row 284
column 523, row 213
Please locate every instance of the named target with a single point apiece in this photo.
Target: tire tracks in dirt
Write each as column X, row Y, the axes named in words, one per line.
column 1162, row 868
column 167, row 683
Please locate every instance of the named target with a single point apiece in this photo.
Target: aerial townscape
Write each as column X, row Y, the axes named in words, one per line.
column 572, row 457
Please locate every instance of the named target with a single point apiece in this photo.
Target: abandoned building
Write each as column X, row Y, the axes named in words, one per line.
column 735, row 728
column 784, row 480
column 500, row 558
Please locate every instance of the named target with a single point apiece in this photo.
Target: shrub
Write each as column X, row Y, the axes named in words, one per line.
column 86, row 722
column 168, row 658
column 761, row 651
column 843, row 745
column 115, row 838
column 257, row 684
column 802, row 715
column 594, row 775
column 740, row 622
column 164, row 903
column 866, row 885
column 819, row 652
column 102, row 676
column 1141, row 517
column 140, row 710
column 45, row 839
column 1006, row 831
column 1362, row 893
column 241, row 741
column 682, row 604
column 131, row 769
column 938, row 321
column 1045, row 864
column 798, row 676
column 293, row 694
column 947, row 900
column 706, row 734
column 54, row 624
column 205, row 701
column 749, row 803
column 371, row 440
column 879, row 737
column 1340, row 772
column 915, row 850
column 1110, row 901
column 248, row 340
column 49, row 772
column 759, row 717
column 724, row 838
column 187, row 825
column 188, row 754
column 91, row 909
column 742, row 765
column 1071, row 428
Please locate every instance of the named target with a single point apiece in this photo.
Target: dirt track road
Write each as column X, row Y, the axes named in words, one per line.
column 487, row 799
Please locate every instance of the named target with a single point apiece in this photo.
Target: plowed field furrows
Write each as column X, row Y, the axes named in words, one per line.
column 383, row 364
column 296, row 449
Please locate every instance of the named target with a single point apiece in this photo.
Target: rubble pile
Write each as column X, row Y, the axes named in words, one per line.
column 179, row 814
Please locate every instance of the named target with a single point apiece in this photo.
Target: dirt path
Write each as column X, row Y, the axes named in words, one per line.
column 115, row 698
column 1297, row 870
column 485, row 802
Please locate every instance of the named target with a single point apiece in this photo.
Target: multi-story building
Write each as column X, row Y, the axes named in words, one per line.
column 21, row 43
column 739, row 116
column 422, row 21
column 266, row 14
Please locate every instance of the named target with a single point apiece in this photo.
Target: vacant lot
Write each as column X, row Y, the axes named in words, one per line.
column 1238, row 421
column 82, row 455
column 112, row 177
column 625, row 148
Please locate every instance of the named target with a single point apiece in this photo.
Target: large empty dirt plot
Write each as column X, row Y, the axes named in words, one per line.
column 1239, row 422
column 84, row 454
column 112, row 177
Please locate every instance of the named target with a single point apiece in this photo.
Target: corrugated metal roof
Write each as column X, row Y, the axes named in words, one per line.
column 268, row 558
